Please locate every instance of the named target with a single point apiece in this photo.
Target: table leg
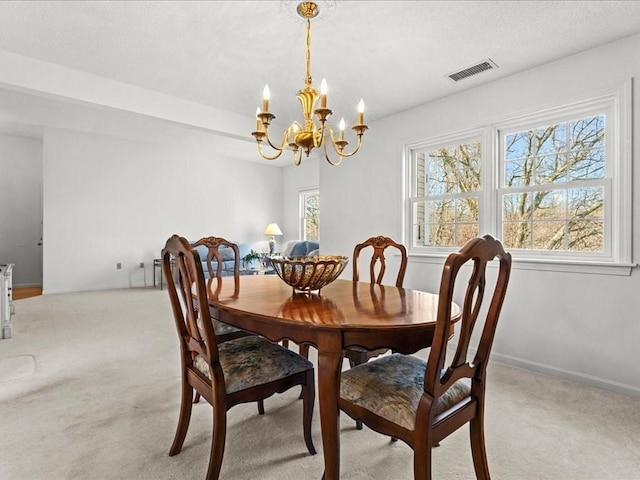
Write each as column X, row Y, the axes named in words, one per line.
column 329, row 367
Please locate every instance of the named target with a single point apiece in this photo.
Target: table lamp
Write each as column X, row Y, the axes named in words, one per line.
column 272, row 229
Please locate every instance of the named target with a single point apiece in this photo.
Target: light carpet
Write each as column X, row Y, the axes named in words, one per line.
column 89, row 389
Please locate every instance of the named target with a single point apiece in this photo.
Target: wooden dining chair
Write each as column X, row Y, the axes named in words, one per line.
column 241, row 370
column 377, row 269
column 215, row 262
column 422, row 402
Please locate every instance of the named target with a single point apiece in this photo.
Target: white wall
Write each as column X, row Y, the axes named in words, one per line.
column 109, row 199
column 582, row 326
column 21, row 207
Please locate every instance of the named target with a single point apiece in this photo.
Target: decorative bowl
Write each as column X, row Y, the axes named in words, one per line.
column 309, row 273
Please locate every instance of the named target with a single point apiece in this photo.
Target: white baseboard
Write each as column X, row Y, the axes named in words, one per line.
column 566, row 374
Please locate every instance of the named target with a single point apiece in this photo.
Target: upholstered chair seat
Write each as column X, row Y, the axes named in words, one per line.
column 225, row 330
column 252, row 361
column 399, row 381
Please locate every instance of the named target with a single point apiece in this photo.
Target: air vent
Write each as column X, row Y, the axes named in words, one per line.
column 483, row 66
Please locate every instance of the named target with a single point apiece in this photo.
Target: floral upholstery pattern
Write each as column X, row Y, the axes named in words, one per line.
column 222, row 328
column 250, row 361
column 392, row 386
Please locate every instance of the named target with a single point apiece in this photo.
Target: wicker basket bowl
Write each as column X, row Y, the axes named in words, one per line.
column 308, row 274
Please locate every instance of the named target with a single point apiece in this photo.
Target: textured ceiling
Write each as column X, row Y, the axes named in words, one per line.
column 394, row 54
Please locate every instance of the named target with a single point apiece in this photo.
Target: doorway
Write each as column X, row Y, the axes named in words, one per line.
column 21, row 207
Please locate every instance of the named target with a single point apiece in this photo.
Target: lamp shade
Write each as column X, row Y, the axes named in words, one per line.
column 273, row 229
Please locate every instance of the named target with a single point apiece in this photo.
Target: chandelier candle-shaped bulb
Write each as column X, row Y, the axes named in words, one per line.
column 323, row 94
column 341, row 127
column 258, row 121
column 361, row 112
column 266, row 95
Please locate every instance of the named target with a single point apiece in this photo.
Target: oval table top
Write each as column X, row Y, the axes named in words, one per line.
column 339, row 304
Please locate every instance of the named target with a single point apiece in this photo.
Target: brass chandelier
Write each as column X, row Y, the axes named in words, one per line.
column 305, row 138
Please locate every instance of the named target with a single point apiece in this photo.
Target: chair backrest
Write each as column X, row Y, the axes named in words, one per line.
column 215, row 248
column 478, row 252
column 379, row 245
column 188, row 295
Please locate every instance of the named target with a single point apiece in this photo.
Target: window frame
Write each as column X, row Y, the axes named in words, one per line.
column 617, row 181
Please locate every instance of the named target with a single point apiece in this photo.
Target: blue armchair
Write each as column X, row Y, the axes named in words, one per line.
column 301, row 247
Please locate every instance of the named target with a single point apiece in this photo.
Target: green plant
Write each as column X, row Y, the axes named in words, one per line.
column 250, row 257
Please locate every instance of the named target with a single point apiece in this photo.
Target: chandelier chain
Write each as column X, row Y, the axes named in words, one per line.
column 308, row 81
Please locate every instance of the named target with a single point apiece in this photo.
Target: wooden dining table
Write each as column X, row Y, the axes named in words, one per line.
column 342, row 314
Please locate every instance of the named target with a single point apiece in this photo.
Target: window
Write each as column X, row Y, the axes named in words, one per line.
column 554, row 186
column 310, row 215
column 446, row 192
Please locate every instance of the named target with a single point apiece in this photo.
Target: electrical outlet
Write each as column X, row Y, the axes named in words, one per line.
column 118, row 266
column 141, row 264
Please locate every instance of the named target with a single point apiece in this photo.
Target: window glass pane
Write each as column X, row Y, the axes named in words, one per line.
column 562, row 220
column 454, row 169
column 438, row 183
column 516, row 234
column 311, row 229
column 586, row 164
column 517, row 206
column 419, row 232
column 465, row 232
column 548, row 235
column 555, row 159
column 469, row 157
column 442, row 211
column 453, row 221
column 310, row 215
column 587, row 132
column 551, row 169
column 586, row 236
column 586, row 202
column 421, row 177
column 467, row 209
column 516, row 175
column 419, row 224
column 442, row 235
column 549, row 140
column 587, row 159
column 517, row 145
column 549, row 205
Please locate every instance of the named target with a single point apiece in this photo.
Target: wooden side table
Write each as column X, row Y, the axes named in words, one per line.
column 157, row 263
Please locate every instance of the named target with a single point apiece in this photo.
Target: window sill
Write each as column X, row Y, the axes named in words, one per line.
column 543, row 265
